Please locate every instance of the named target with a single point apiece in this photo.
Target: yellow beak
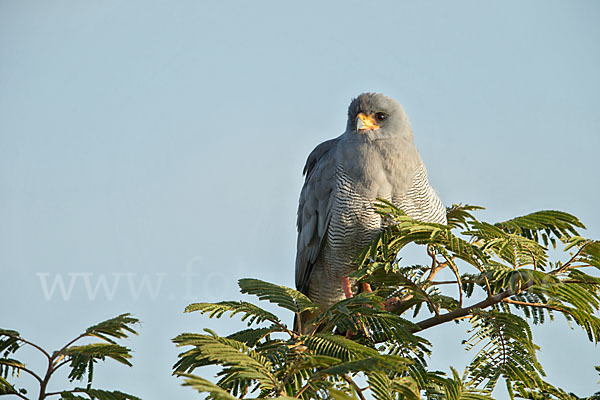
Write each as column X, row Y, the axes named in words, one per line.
column 365, row 122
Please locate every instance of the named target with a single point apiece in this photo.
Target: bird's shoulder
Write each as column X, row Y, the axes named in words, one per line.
column 319, row 153
column 319, row 171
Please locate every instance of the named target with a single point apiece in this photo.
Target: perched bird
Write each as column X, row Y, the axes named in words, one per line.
column 374, row 158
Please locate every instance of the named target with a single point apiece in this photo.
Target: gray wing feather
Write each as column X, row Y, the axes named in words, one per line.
column 314, row 209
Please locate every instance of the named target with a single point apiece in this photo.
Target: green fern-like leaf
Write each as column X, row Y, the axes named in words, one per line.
column 341, row 395
column 542, row 225
column 460, row 216
column 6, row 387
column 204, row 386
column 96, row 394
column 252, row 336
column 9, row 341
column 118, row 327
column 590, row 254
column 361, row 313
column 82, row 358
column 404, row 230
column 337, row 346
column 284, row 297
column 456, row 389
column 369, row 364
column 508, row 350
column 10, row 366
column 385, row 387
column 211, row 349
column 249, row 311
column 513, row 248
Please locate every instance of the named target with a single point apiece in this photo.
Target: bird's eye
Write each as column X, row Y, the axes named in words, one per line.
column 380, row 116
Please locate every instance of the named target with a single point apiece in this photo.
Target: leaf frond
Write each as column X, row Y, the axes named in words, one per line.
column 249, row 311
column 285, row 297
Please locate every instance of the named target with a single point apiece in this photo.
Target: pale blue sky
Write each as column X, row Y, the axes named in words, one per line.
column 136, row 136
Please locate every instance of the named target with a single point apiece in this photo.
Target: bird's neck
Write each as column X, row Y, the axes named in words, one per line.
column 381, row 162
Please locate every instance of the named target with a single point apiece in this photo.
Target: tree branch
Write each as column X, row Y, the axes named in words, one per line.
column 490, row 301
column 444, row 282
column 35, row 346
column 464, row 311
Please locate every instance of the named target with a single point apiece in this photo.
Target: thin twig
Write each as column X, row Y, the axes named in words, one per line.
column 303, row 389
column 487, row 286
column 533, row 258
column 57, row 366
column 567, row 266
column 455, row 271
column 59, row 352
column 393, row 304
column 502, row 341
column 436, row 266
column 524, row 303
column 19, row 395
column 359, row 391
column 286, row 330
column 48, row 356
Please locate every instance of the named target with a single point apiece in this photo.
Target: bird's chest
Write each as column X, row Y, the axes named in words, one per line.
column 354, row 222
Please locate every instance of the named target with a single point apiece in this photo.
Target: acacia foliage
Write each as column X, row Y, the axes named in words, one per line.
column 508, row 276
column 80, row 359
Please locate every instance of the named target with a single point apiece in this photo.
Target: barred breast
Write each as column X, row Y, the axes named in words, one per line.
column 353, row 224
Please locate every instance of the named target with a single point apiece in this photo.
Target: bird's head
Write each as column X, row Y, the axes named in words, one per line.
column 378, row 117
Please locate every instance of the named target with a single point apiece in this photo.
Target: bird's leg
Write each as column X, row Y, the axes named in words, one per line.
column 348, row 293
column 367, row 288
column 391, row 303
column 346, row 287
column 388, row 303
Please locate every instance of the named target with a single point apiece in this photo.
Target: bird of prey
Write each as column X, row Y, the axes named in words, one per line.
column 374, row 158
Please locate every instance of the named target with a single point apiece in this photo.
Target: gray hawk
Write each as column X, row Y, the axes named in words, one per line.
column 374, row 158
